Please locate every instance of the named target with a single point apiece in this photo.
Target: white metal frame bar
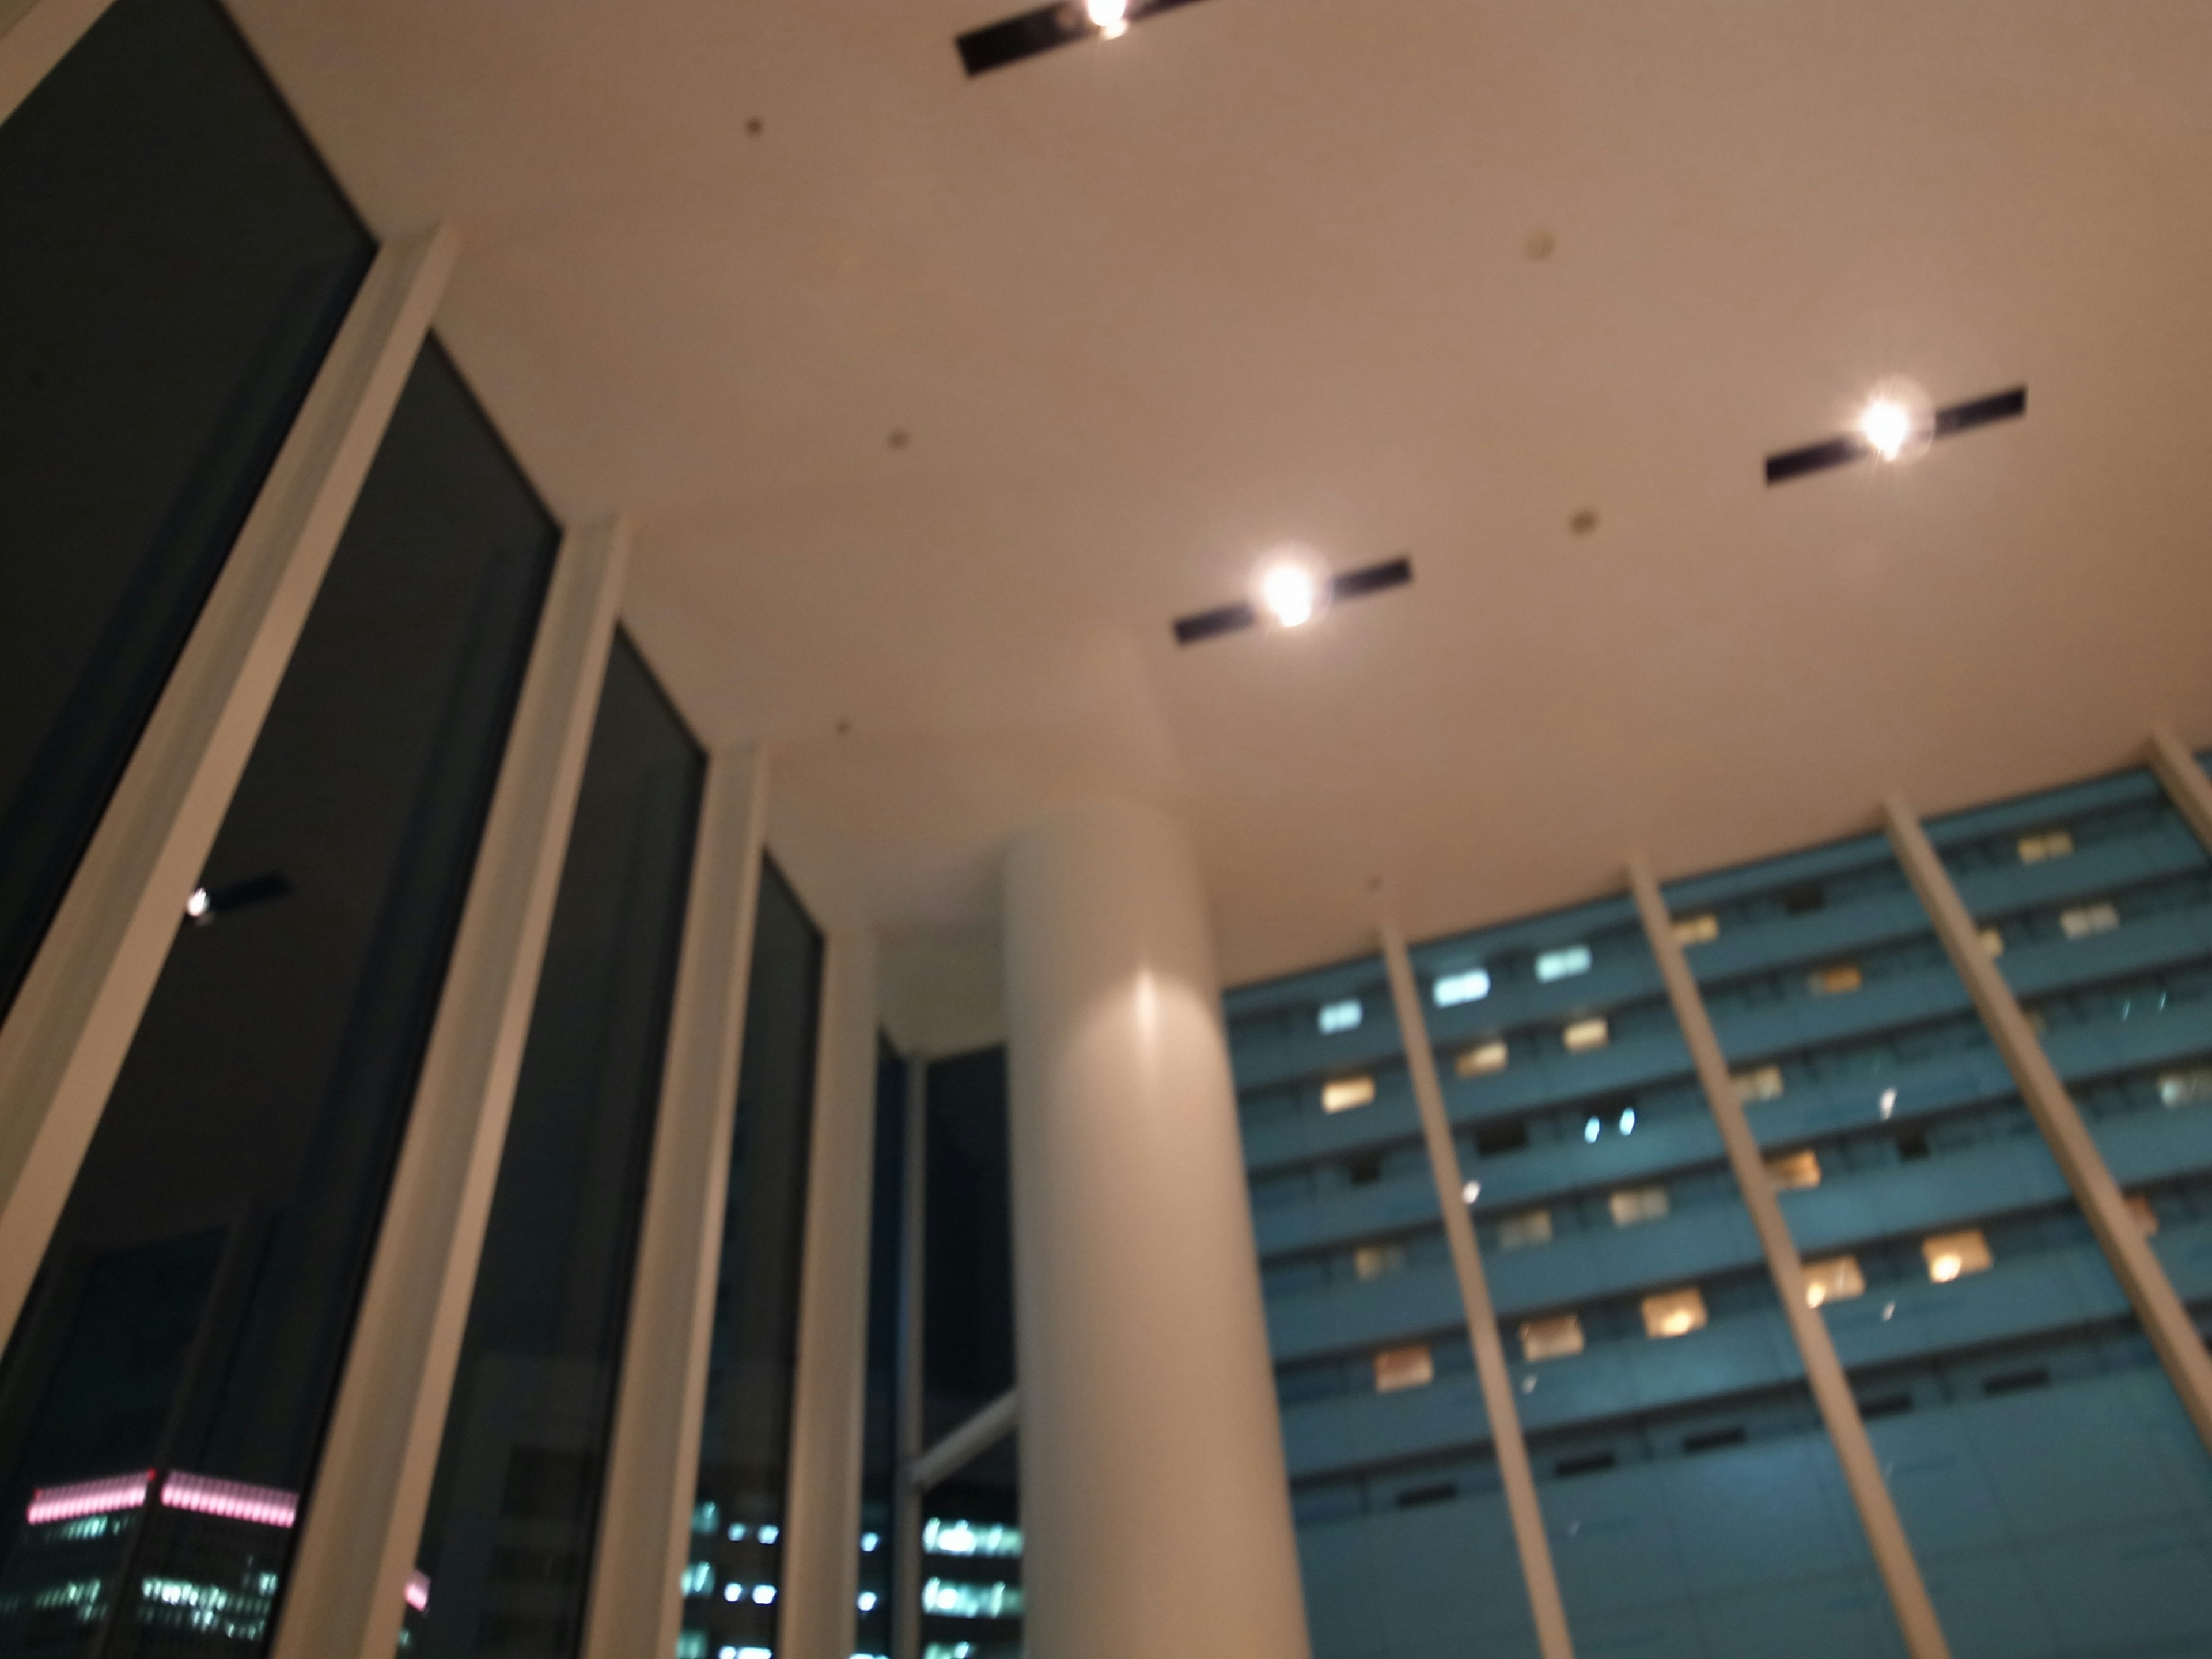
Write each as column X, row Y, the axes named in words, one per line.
column 64, row 1039
column 645, row 1509
column 2164, row 1319
column 1545, row 1604
column 964, row 1444
column 829, row 1387
column 34, row 36
column 348, row 1579
column 1832, row 1392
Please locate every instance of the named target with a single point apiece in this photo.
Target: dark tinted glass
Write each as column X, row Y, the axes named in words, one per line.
column 745, row 1448
column 508, row 1545
column 971, row 1538
column 879, row 1426
column 175, row 263
column 192, row 1311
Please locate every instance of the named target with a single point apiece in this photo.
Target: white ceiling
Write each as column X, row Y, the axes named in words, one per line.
column 1261, row 271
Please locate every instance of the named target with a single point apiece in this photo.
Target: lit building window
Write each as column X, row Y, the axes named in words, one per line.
column 967, row 1538
column 1341, row 1015
column 690, row 1644
column 705, row 1517
column 1697, row 930
column 1409, row 1367
column 1836, row 1279
column 1760, row 1083
column 2146, row 1218
column 1954, row 1255
column 1674, row 1313
column 1585, row 1035
column 2084, row 920
column 1468, row 985
column 1791, row 1170
column 698, row 1579
column 2179, row 1088
column 1376, row 1261
column 955, row 1599
column 1347, row 1092
column 1483, row 1058
column 1563, row 964
column 2046, row 844
column 1992, row 942
column 1836, row 979
column 1556, row 1338
column 1518, row 1232
column 1632, row 1206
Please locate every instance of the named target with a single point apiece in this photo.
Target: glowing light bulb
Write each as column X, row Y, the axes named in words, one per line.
column 1290, row 593
column 1886, row 425
column 1109, row 17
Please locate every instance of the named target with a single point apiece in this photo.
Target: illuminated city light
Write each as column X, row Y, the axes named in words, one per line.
column 955, row 1599
column 767, row 1533
column 867, row 1603
column 195, row 906
column 233, row 1500
column 1889, row 1101
column 763, row 1595
column 1590, row 1131
column 1109, row 17
column 419, row 1590
column 1337, row 1016
column 114, row 1492
column 1628, row 1122
column 1468, row 985
column 966, row 1538
column 1472, row 1191
column 868, row 1542
column 733, row 1591
column 1290, row 588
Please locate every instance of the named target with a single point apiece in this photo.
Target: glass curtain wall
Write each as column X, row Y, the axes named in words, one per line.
column 506, row 1554
column 732, row 1581
column 177, row 263
column 163, row 1403
column 879, row 1447
column 971, row 1540
column 2048, row 1481
column 1692, row 1502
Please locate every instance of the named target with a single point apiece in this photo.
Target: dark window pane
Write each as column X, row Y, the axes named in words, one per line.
column 879, row 1426
column 511, row 1521
column 745, row 1450
column 194, row 1306
column 176, row 263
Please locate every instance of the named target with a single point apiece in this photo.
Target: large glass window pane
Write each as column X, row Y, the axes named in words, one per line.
column 1693, row 1504
column 177, row 261
column 971, row 1542
column 192, row 1313
column 732, row 1582
column 2046, row 1475
column 879, row 1471
column 507, row 1547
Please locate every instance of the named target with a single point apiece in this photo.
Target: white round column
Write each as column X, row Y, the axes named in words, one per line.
column 1155, row 1514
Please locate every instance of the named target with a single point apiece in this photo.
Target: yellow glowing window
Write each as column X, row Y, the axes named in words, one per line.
column 1697, row 930
column 1674, row 1313
column 1411, row 1367
column 2179, row 1088
column 2046, row 844
column 1760, row 1083
column 1954, row 1255
column 2087, row 918
column 1555, row 1338
column 2146, row 1218
column 1484, row 1057
column 1347, row 1092
column 1632, row 1206
column 1585, row 1035
column 1518, row 1232
column 1836, row 1278
column 1374, row 1260
column 1992, row 942
column 1791, row 1170
column 1836, row 978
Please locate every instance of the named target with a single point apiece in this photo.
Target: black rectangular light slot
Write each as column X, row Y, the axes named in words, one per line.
column 1351, row 584
column 1850, row 446
column 1029, row 34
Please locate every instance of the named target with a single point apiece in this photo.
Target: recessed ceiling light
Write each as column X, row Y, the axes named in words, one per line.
column 1895, row 423
column 1290, row 588
column 1061, row 24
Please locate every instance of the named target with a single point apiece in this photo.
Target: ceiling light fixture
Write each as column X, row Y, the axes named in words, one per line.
column 1896, row 423
column 1063, row 23
column 1291, row 588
